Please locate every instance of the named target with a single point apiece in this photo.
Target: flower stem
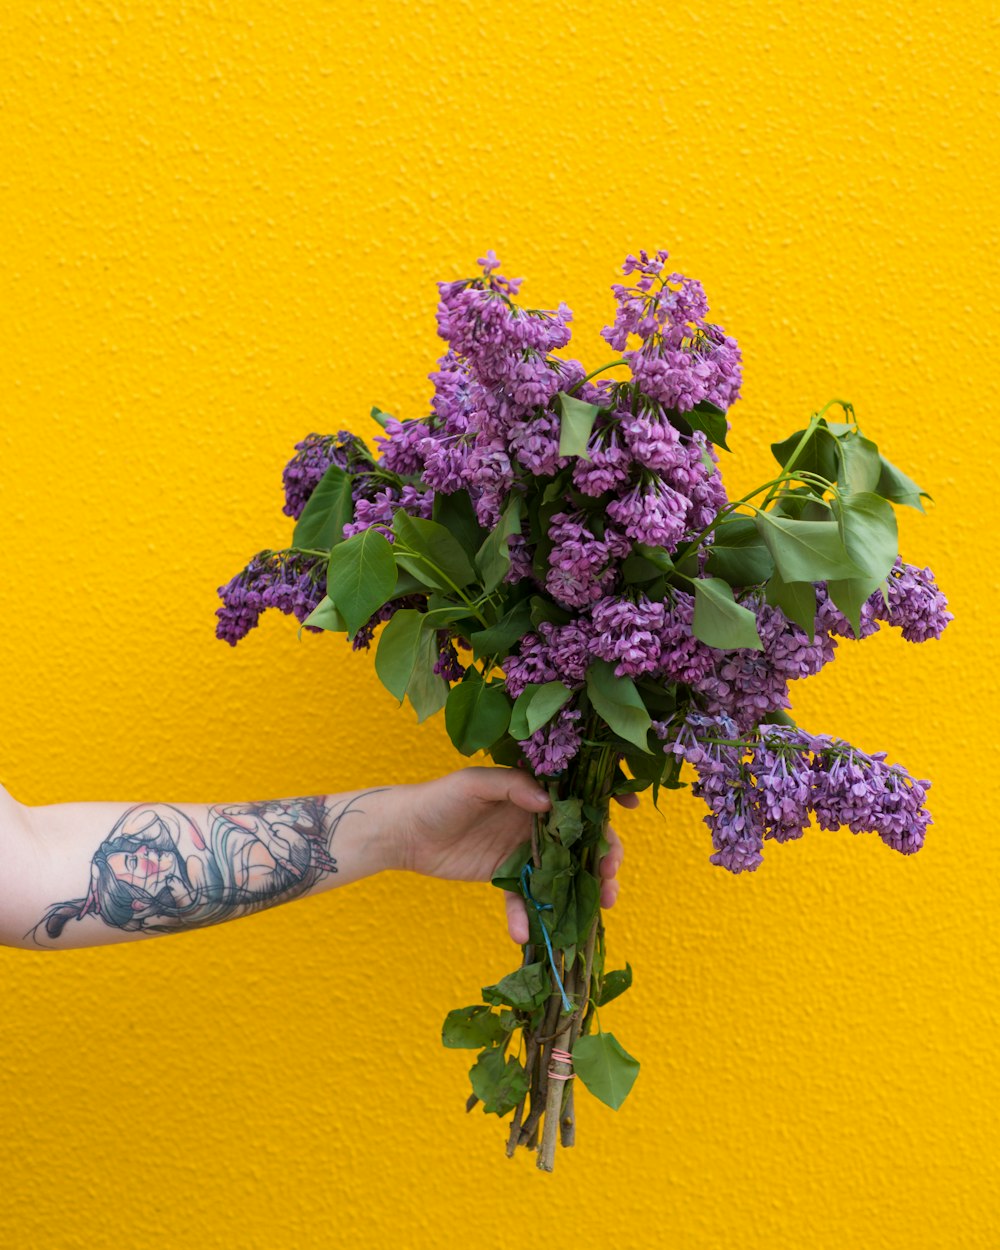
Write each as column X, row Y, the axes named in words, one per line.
column 611, row 365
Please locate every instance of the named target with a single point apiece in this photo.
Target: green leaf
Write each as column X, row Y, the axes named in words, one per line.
column 605, row 1067
column 329, row 508
column 499, row 1085
column 849, row 593
column 362, row 576
column 738, row 554
column 426, row 690
column 645, row 769
column 383, row 418
column 493, row 557
column 546, row 610
column 860, row 467
column 397, row 650
column 476, row 714
column 325, row 616
column 868, row 527
column 553, row 884
column 711, row 420
column 656, row 556
column 805, row 551
column 575, row 425
column 438, row 558
column 618, row 701
column 818, row 454
column 442, row 617
column 456, row 513
column 499, row 638
column 507, row 752
column 868, row 530
column 615, row 983
column 587, row 896
column 719, row 620
column 508, row 875
column 535, row 706
column 470, row 1028
column 796, row 599
column 895, row 485
column 566, row 819
column 795, row 502
column 407, row 584
column 524, row 989
column 638, row 571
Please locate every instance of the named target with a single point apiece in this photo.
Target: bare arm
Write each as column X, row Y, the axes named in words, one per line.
column 88, row 874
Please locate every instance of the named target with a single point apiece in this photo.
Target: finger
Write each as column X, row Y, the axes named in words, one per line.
column 493, row 785
column 609, row 893
column 629, row 799
column 517, row 918
column 612, row 861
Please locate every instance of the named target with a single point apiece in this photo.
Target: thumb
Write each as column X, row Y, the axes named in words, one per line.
column 515, row 785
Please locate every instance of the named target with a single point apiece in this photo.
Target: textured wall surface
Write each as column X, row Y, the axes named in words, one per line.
column 222, row 226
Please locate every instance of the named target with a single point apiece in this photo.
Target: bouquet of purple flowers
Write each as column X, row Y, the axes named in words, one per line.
column 551, row 557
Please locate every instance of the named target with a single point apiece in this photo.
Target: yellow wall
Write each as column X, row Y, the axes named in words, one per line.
column 222, row 225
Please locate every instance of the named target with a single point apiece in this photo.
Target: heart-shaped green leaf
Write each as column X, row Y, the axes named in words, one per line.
column 719, row 620
column 605, row 1067
column 361, row 577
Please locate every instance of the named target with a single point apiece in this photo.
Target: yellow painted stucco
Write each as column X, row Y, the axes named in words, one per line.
column 222, row 224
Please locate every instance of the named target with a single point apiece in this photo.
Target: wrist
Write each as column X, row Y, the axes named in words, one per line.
column 364, row 832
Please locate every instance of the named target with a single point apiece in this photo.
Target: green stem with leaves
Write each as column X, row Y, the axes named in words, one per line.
column 591, row 782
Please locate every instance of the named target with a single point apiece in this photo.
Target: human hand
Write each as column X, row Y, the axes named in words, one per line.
column 461, row 827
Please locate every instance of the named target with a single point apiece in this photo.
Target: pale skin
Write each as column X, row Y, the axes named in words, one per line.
column 88, row 874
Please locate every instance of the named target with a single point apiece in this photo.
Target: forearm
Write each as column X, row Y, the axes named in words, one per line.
column 88, row 874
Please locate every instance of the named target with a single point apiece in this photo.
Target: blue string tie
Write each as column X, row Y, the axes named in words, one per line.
column 526, row 872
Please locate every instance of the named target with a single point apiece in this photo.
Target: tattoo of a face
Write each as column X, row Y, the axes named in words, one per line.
column 158, row 872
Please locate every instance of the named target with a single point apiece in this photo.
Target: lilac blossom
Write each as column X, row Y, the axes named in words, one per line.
column 551, row 748
column 314, row 456
column 532, row 666
column 780, row 762
column 535, row 445
column 652, row 512
column 916, row 606
column 521, row 565
column 556, row 653
column 628, row 634
column 292, row 583
column 683, row 657
column 766, row 783
column 380, row 511
column 608, row 467
column 578, row 563
column 867, row 795
column 448, row 664
column 402, row 446
column 734, row 818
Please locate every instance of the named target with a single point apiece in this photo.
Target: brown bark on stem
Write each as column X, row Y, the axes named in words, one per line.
column 553, row 1101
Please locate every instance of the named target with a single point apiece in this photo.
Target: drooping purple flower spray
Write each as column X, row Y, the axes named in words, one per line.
column 647, row 479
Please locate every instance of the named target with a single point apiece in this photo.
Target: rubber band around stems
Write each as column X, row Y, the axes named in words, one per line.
column 526, row 872
column 561, row 1056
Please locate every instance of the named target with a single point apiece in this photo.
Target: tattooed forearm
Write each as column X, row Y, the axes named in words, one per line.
column 162, row 871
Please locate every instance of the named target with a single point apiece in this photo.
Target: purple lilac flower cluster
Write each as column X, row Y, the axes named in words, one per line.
column 493, row 432
column 683, row 359
column 314, row 456
column 913, row 604
column 768, row 783
column 292, row 583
